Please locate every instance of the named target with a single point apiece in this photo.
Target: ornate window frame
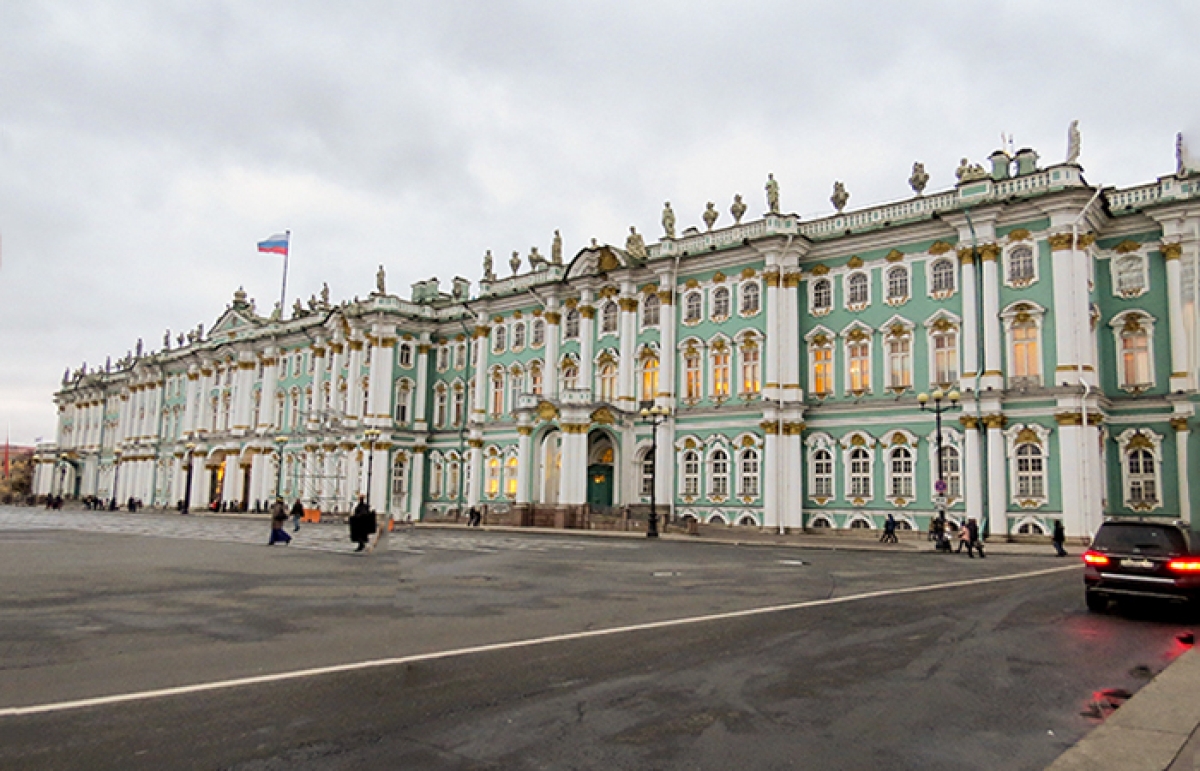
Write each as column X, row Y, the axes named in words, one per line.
column 817, row 443
column 745, row 288
column 1015, row 437
column 822, row 281
column 1024, row 312
column 607, row 374
column 1125, row 326
column 721, row 369
column 720, row 296
column 821, row 339
column 571, row 324
column 518, row 335
column 537, row 333
column 1139, row 440
column 690, row 461
column 849, row 291
column 693, row 307
column 1024, row 280
column 402, row 405
column 749, row 365
column 649, row 372
column 952, row 439
column 943, row 324
column 931, row 277
column 1132, row 254
column 692, row 354
column 898, row 331
column 901, row 487
column 499, row 339
column 404, row 355
column 719, row 462
column 651, row 315
column 856, row 336
column 898, row 272
column 853, row 480
column 610, row 319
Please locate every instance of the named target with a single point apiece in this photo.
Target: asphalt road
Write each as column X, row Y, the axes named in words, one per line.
column 988, row 676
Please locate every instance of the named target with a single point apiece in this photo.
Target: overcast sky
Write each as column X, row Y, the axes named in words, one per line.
column 146, row 146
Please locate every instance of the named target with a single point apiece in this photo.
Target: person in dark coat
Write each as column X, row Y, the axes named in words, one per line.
column 889, row 530
column 973, row 542
column 1059, row 537
column 278, row 518
column 297, row 514
column 362, row 524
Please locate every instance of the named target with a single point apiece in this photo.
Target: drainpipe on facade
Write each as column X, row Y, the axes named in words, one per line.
column 986, row 525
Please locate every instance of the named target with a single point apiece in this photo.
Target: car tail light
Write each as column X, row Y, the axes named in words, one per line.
column 1095, row 558
column 1189, row 565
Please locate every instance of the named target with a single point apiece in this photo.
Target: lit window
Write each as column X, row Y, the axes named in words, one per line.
column 691, row 370
column 651, row 307
column 649, row 377
column 822, row 368
column 750, row 298
column 493, row 477
column 720, row 303
column 510, row 477
column 720, row 373
column 858, row 356
column 751, row 368
column 1026, row 364
column 535, row 378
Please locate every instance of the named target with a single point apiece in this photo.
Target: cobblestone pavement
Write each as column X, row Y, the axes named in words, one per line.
column 328, row 537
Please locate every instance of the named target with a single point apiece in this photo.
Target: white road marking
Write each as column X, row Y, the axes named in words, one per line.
column 98, row 701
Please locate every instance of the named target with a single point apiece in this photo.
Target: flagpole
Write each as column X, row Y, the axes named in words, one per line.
column 283, row 291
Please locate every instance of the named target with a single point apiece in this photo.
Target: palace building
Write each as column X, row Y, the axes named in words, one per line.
column 787, row 356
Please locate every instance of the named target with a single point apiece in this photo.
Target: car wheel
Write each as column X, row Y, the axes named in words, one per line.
column 1096, row 602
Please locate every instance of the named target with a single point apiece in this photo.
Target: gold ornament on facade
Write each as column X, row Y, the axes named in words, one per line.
column 894, row 256
column 553, row 317
column 666, row 296
column 858, row 441
column 748, row 273
column 969, row 422
column 648, row 289
column 603, row 416
column 791, row 279
column 482, row 331
column 820, row 340
column 1172, row 251
column 995, row 420
column 857, row 335
column 692, row 284
column 1140, row 441
column 571, row 302
column 609, row 291
column 587, row 312
column 524, row 430
column 1127, row 246
column 853, row 263
column 475, row 444
column 1028, row 435
column 423, row 349
column 628, row 304
column 989, row 253
column 518, row 315
column 771, row 278
column 769, row 427
column 938, row 248
column 966, row 255
column 1060, row 242
column 546, row 411
column 718, row 278
column 1064, row 419
column 1179, row 423
column 1020, row 234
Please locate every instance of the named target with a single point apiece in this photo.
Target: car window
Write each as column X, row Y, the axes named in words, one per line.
column 1144, row 539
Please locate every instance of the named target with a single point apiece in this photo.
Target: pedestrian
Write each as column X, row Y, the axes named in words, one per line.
column 297, row 515
column 1059, row 537
column 889, row 530
column 973, row 542
column 964, row 541
column 362, row 524
column 474, row 518
column 278, row 518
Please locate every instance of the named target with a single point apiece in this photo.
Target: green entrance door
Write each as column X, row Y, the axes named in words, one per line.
column 600, row 484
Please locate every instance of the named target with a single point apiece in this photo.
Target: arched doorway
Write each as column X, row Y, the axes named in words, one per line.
column 549, row 468
column 600, row 479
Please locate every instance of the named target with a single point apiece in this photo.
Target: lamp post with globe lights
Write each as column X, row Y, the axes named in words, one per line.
column 190, row 447
column 653, row 416
column 941, row 402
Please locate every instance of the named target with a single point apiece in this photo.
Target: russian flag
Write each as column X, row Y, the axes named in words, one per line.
column 276, row 244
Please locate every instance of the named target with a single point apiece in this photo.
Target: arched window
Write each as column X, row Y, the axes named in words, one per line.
column 399, row 482
column 497, row 393
column 749, row 474
column 460, row 355
column 1026, row 363
column 647, row 469
column 952, row 472
column 822, row 474
column 1031, row 471
column 860, row 473
column 439, row 406
column 1135, row 357
column 535, row 378
column 571, row 325
column 403, row 395
column 453, row 476
column 459, row 404
column 650, row 310
column 720, row 303
column 942, row 275
column 751, row 368
column 901, row 473
column 608, row 317
column 500, row 339
column 692, row 308
column 691, row 473
column 943, row 342
column 516, row 385
column 405, row 355
column 510, row 477
column 691, row 375
column 750, row 298
column 518, row 336
column 897, row 283
column 570, row 375
column 858, row 360
column 492, row 478
column 1143, row 485
column 718, row 486
column 858, row 290
column 820, row 350
column 899, row 361
column 720, row 372
column 538, row 336
column 822, row 295
column 608, row 381
column 649, row 376
column 1020, row 265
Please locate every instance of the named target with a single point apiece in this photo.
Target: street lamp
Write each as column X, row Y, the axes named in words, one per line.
column 371, row 435
column 116, row 474
column 280, row 441
column 937, row 409
column 187, row 482
column 654, row 417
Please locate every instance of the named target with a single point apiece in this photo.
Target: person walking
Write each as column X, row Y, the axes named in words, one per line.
column 362, row 523
column 973, row 542
column 964, row 541
column 1059, row 537
column 297, row 515
column 278, row 518
column 889, row 530
column 474, row 518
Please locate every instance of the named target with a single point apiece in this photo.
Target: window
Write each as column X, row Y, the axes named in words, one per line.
column 942, row 277
column 720, row 372
column 436, row 471
column 1141, row 454
column 692, row 308
column 459, row 404
column 897, row 284
column 952, row 472
column 822, row 295
column 1026, row 364
column 497, row 392
column 649, row 377
column 860, row 473
column 1129, row 275
column 691, row 474
column 443, row 358
column 460, row 355
column 748, row 478
column 439, row 406
column 510, row 477
column 750, row 298
column 1031, row 471
column 492, row 477
column 822, row 475
column 647, row 468
column 500, row 339
column 608, row 318
column 453, row 475
column 1142, row 488
column 858, row 290
column 516, row 382
column 901, row 473
column 570, row 375
column 518, row 336
column 751, row 369
column 1133, row 335
column 944, row 344
column 608, row 381
column 535, row 378
column 719, row 479
column 821, row 350
column 691, row 375
column 403, row 394
column 858, row 357
column 651, row 306
column 399, row 482
column 538, row 335
column 1021, row 268
column 571, row 327
column 899, row 364
column 405, row 355
column 720, row 303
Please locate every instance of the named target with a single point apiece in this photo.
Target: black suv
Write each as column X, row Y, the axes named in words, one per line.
column 1142, row 558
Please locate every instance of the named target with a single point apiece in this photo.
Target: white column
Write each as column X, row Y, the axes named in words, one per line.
column 337, row 351
column 972, row 473
column 1182, row 434
column 664, row 466
column 970, row 323
column 626, row 367
column 475, row 462
column 587, row 341
column 354, row 399
column 992, row 375
column 553, row 332
column 203, row 413
column 382, row 363
column 267, row 419
column 1180, row 376
column 793, row 476
column 524, row 459
column 772, row 476
column 479, row 407
column 997, row 471
column 773, row 345
column 381, row 475
column 667, row 354
column 416, row 484
column 789, row 317
column 243, row 393
column 419, row 414
column 573, row 478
